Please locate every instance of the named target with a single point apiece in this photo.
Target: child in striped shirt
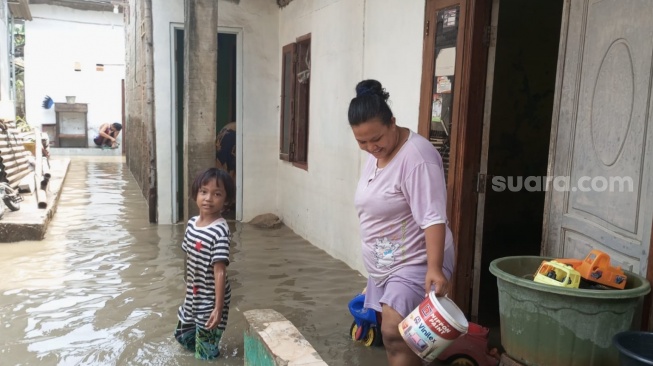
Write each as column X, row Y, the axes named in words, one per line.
column 203, row 315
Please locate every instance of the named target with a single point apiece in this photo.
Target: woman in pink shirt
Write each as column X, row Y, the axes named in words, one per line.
column 401, row 198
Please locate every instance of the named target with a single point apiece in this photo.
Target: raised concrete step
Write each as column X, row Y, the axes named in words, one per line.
column 31, row 222
column 272, row 340
column 84, row 151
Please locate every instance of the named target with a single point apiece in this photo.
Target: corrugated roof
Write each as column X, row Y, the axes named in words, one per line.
column 20, row 9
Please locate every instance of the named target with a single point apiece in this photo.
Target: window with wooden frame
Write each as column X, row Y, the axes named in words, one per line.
column 295, row 101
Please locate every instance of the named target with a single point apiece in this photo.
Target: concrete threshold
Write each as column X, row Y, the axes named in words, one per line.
column 31, row 222
column 84, row 151
column 272, row 340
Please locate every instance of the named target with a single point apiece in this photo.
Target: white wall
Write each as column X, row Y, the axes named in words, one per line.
column 56, row 38
column 318, row 203
column 351, row 40
column 258, row 22
column 163, row 19
column 393, row 53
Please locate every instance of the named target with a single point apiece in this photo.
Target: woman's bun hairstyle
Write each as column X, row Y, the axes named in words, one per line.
column 371, row 87
column 371, row 102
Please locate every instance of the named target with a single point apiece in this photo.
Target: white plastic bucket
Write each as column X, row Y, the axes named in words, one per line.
column 433, row 326
column 70, row 99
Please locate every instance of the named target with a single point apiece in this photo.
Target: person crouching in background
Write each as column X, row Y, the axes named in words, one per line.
column 108, row 135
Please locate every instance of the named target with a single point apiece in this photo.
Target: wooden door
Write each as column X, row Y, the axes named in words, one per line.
column 603, row 141
column 483, row 166
column 451, row 114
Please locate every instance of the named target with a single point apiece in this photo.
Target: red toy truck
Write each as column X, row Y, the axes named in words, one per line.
column 471, row 349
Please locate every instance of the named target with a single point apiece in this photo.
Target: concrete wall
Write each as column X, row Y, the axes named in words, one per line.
column 56, row 38
column 139, row 97
column 318, row 204
column 257, row 22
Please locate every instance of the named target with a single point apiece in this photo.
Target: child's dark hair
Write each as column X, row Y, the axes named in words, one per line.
column 117, row 126
column 219, row 175
column 370, row 102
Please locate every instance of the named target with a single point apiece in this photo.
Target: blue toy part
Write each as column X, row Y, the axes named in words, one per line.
column 366, row 327
column 359, row 311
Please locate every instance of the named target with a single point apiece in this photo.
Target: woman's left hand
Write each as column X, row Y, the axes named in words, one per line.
column 435, row 277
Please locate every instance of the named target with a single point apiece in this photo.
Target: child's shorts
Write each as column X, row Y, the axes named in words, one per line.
column 204, row 342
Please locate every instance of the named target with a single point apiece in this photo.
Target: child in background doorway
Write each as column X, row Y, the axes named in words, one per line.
column 203, row 315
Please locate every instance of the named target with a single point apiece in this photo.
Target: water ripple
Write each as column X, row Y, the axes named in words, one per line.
column 104, row 285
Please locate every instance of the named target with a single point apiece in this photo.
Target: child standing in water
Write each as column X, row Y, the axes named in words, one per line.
column 203, row 315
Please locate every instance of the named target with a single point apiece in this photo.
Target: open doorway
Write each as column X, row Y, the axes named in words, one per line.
column 226, row 105
column 519, row 106
column 226, row 111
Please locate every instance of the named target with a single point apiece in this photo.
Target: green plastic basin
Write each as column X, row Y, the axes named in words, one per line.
column 548, row 325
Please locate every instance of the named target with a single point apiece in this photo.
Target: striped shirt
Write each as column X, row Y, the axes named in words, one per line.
column 204, row 246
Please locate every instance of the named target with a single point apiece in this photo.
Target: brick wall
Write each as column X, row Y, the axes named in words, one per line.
column 139, row 121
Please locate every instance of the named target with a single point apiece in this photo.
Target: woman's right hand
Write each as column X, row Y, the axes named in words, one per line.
column 435, row 277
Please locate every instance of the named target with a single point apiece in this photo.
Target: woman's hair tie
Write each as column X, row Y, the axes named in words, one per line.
column 361, row 92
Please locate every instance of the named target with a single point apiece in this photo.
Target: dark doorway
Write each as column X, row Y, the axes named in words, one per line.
column 527, row 40
column 179, row 100
column 226, row 96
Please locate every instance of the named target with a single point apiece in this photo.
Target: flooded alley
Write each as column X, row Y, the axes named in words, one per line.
column 104, row 285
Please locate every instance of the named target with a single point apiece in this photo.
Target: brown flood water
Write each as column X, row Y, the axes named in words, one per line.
column 103, row 287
